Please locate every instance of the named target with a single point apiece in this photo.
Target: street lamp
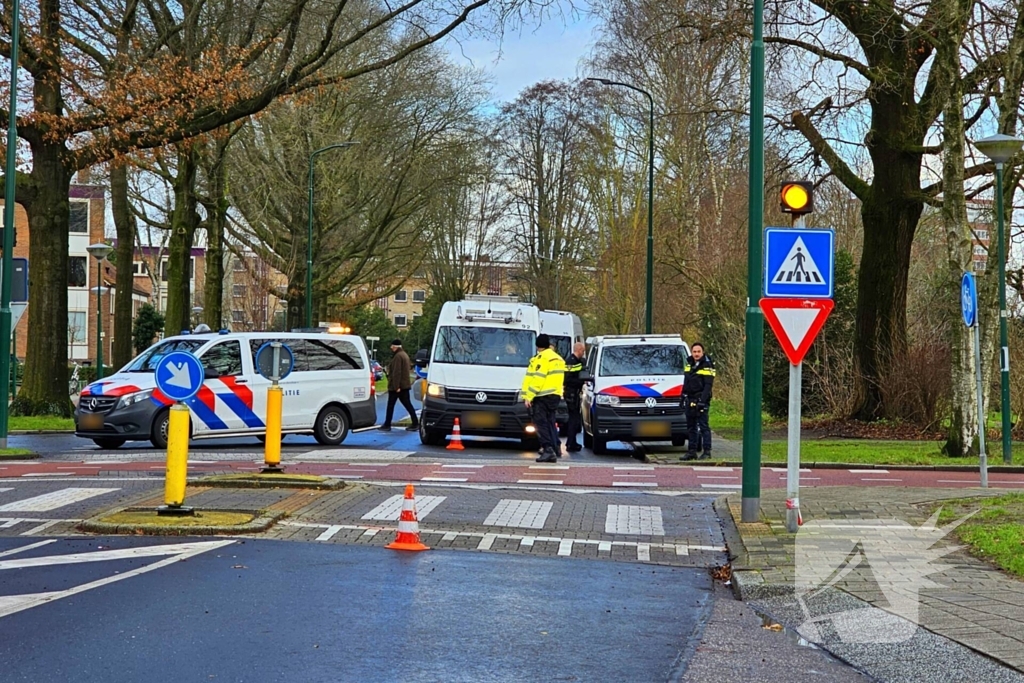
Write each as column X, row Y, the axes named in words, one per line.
column 99, row 251
column 649, row 322
column 999, row 148
column 309, row 231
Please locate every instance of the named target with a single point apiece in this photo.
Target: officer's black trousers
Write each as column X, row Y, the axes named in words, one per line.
column 545, row 409
column 700, row 432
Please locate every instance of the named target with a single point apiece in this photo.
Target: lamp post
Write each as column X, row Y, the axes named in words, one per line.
column 649, row 320
column 309, row 231
column 999, row 148
column 99, row 251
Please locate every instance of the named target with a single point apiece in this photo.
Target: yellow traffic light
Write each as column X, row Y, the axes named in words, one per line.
column 797, row 197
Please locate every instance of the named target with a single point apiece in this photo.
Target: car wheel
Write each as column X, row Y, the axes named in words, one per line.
column 588, row 440
column 530, row 443
column 331, row 426
column 109, row 443
column 262, row 438
column 431, row 437
column 158, row 435
column 678, row 440
column 600, row 446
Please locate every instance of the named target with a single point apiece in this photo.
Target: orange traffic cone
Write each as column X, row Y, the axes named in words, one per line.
column 455, row 443
column 408, row 537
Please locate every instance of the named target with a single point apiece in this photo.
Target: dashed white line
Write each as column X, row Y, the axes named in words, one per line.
column 54, row 500
column 557, row 482
column 877, row 479
column 463, row 467
column 549, row 467
column 48, row 474
column 634, row 483
column 718, row 476
column 721, row 486
column 565, row 547
column 869, row 471
column 705, row 468
column 443, row 479
column 634, row 467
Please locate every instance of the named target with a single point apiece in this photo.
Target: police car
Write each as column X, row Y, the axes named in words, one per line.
column 329, row 391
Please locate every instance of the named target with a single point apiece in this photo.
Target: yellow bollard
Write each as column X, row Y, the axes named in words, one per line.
column 272, row 452
column 177, row 456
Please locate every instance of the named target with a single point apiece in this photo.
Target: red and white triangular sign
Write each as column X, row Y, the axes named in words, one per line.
column 796, row 322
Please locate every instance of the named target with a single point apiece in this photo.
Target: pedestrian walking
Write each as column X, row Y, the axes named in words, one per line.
column 542, row 390
column 699, row 373
column 399, row 387
column 573, row 387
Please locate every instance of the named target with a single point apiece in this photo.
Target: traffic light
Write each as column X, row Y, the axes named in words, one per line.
column 797, row 197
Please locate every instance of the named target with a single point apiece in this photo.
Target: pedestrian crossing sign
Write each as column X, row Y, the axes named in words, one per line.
column 798, row 262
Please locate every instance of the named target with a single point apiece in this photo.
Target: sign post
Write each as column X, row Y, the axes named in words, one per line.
column 969, row 310
column 179, row 376
column 274, row 361
column 798, row 288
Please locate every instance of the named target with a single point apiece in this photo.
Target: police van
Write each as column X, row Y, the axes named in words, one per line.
column 632, row 390
column 564, row 329
column 329, row 391
column 482, row 347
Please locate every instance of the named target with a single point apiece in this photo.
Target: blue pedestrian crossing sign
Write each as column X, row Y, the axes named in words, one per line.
column 799, row 263
column 969, row 299
column 179, row 375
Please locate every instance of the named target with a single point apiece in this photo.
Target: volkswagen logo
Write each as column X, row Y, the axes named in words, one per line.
column 93, row 403
column 651, row 402
column 481, row 397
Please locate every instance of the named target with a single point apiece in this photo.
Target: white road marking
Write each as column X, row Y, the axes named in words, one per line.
column 802, row 478
column 328, row 533
column 604, row 547
column 486, row 542
column 526, row 543
column 76, row 467
column 565, row 547
column 347, row 476
column 873, row 479
column 54, row 500
column 354, row 454
column 464, row 467
column 634, row 519
column 6, row 489
column 450, row 536
column 370, row 533
column 718, row 476
column 391, row 508
column 705, row 468
column 958, row 481
column 634, row 467
column 643, row 552
column 784, row 469
column 106, row 462
column 442, row 479
column 110, row 555
column 48, row 474
column 41, row 528
column 556, row 482
column 10, row 604
column 721, row 486
column 526, row 514
column 30, row 546
column 869, row 471
column 634, row 483
column 631, row 474
column 549, row 467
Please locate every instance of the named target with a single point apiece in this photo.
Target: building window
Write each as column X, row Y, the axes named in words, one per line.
column 76, row 327
column 78, row 217
column 138, row 268
column 402, row 295
column 237, row 316
column 981, row 234
column 76, row 271
column 419, row 296
column 239, row 266
column 237, row 290
column 400, row 320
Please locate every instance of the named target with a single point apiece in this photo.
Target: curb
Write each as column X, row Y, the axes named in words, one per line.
column 264, row 520
column 230, row 481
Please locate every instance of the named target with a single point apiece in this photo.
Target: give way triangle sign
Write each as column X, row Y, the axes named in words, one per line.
column 796, row 322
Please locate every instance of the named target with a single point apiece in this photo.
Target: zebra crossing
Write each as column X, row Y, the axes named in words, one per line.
column 24, row 511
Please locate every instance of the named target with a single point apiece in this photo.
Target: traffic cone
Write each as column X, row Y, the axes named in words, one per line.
column 408, row 537
column 455, row 443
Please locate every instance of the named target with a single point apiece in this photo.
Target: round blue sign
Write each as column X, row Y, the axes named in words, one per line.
column 969, row 299
column 265, row 361
column 179, row 375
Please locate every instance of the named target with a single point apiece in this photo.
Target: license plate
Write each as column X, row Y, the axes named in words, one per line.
column 481, row 420
column 652, row 428
column 90, row 421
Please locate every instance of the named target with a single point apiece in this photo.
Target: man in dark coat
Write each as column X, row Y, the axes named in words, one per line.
column 399, row 387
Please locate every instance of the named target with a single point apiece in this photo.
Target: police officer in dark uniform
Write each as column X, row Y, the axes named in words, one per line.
column 699, row 378
column 573, row 386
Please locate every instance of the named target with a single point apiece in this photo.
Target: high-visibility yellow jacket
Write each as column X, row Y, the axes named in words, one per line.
column 544, row 375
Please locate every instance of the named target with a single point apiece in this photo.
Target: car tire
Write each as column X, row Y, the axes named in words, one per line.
column 262, row 438
column 109, row 443
column 600, row 446
column 588, row 440
column 431, row 437
column 331, row 426
column 530, row 443
column 158, row 435
column 678, row 440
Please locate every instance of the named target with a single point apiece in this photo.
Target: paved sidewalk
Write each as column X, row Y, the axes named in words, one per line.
column 948, row 592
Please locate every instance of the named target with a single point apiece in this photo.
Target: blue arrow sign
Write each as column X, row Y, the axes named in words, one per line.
column 179, row 375
column 969, row 299
column 798, row 263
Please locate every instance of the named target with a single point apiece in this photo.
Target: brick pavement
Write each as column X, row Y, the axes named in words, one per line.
column 969, row 601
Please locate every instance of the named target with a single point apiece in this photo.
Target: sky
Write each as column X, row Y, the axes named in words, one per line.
column 550, row 52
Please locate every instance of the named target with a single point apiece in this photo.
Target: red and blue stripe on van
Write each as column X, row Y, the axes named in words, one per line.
column 643, row 390
column 104, row 389
column 235, row 397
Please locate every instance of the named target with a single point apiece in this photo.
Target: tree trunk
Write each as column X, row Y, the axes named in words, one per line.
column 296, row 316
column 184, row 221
column 124, row 222
column 213, row 290
column 44, row 390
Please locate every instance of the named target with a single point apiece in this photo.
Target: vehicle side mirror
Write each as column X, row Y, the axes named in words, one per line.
column 423, row 357
column 210, row 373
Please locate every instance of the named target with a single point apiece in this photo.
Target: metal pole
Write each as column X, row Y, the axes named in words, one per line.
column 99, row 319
column 649, row 323
column 796, row 373
column 10, row 178
column 983, row 464
column 1004, row 344
column 754, row 322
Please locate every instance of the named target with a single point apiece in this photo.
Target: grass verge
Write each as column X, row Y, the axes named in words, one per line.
column 15, row 452
column 995, row 532
column 880, row 453
column 151, row 518
column 40, row 423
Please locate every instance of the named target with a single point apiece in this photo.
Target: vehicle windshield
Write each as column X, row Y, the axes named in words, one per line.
column 148, row 360
column 563, row 345
column 642, row 359
column 485, row 346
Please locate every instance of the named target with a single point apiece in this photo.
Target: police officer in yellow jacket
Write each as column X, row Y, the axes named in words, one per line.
column 542, row 390
column 699, row 373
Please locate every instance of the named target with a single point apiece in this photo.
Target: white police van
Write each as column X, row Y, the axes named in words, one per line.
column 482, row 347
column 329, row 391
column 632, row 390
column 564, row 329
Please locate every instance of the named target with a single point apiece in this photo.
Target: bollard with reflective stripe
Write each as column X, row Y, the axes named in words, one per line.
column 272, row 451
column 177, row 460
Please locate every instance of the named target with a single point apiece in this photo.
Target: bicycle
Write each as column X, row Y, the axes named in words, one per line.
column 73, row 381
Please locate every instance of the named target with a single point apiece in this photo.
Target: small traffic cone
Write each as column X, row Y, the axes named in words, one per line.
column 408, row 537
column 455, row 443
